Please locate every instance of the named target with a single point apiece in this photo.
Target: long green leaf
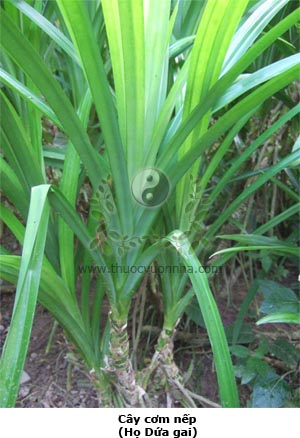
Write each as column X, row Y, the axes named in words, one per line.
column 17, row 341
column 249, row 81
column 238, row 162
column 254, row 241
column 54, row 33
column 55, row 297
column 212, row 319
column 175, row 171
column 278, row 219
column 80, row 27
column 13, row 189
column 251, row 29
column 69, row 187
column 17, row 147
column 157, row 32
column 255, row 99
column 278, row 249
column 262, row 179
column 12, row 223
column 285, row 318
column 31, row 97
column 64, row 208
column 125, row 30
column 19, row 48
column 221, row 85
column 217, row 26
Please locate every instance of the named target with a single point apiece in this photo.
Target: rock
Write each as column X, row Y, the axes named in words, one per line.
column 24, row 391
column 25, row 377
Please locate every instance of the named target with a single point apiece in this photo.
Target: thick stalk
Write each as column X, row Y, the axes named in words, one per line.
column 165, row 348
column 163, row 359
column 167, row 371
column 119, row 365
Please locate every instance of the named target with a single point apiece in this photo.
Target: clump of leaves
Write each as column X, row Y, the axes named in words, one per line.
column 270, row 370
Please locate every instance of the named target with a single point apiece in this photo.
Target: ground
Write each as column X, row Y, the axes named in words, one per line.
column 56, row 381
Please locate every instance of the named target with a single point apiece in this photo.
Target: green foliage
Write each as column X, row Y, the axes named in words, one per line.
column 252, row 367
column 284, row 317
column 270, row 392
column 212, row 319
column 277, row 298
column 17, row 341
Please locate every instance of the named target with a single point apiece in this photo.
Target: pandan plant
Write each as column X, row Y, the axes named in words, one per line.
column 149, row 97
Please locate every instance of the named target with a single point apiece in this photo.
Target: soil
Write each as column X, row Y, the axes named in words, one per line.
column 55, row 381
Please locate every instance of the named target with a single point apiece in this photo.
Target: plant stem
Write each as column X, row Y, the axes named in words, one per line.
column 119, row 364
column 103, row 388
column 164, row 359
